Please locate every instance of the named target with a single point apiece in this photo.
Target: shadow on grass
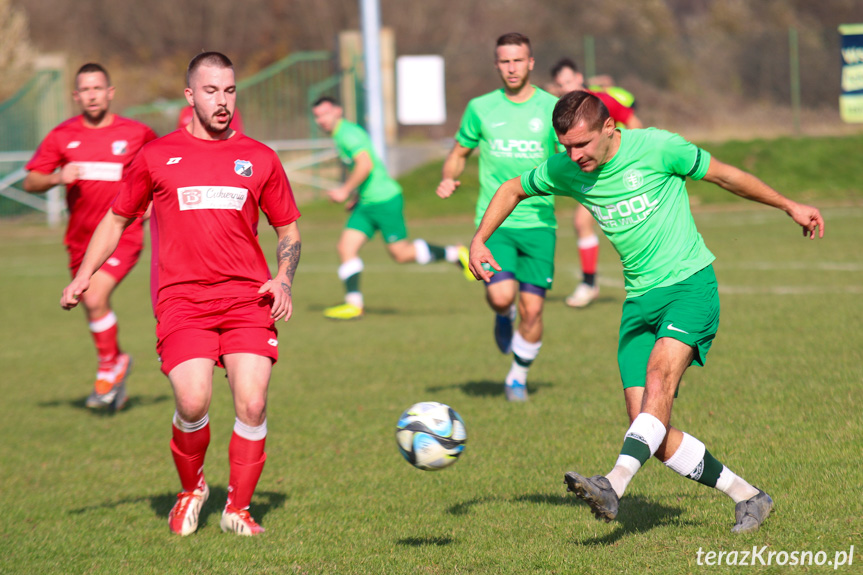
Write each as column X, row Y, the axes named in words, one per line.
column 262, row 503
column 485, row 388
column 81, row 403
column 425, row 541
column 637, row 513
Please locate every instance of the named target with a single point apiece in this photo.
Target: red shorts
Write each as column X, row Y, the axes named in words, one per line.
column 190, row 330
column 123, row 259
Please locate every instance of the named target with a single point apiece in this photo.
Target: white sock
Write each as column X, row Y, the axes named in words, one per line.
column 734, row 486
column 624, row 470
column 452, row 254
column 252, row 433
column 354, row 298
column 350, row 267
column 588, row 242
column 524, row 349
column 645, row 429
column 422, row 252
column 189, row 427
column 687, row 458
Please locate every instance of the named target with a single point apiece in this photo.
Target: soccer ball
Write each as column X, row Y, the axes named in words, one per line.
column 431, row 435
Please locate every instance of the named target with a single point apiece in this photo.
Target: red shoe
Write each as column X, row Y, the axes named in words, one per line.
column 183, row 518
column 239, row 521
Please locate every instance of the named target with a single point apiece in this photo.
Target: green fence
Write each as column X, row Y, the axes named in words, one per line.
column 25, row 119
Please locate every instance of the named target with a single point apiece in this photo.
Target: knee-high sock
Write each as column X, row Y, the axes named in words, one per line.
column 189, row 447
column 246, row 456
column 643, row 438
column 104, row 332
column 692, row 460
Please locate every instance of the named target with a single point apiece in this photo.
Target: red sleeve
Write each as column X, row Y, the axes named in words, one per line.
column 136, row 189
column 619, row 112
column 47, row 157
column 277, row 197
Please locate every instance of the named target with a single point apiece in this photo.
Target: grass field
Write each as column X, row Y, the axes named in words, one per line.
column 778, row 402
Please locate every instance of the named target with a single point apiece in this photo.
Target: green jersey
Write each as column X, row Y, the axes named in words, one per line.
column 639, row 200
column 512, row 137
column 350, row 140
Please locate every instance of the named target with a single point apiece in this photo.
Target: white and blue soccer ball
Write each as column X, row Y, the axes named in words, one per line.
column 431, row 435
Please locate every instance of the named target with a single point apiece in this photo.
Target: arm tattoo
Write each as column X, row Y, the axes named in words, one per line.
column 288, row 255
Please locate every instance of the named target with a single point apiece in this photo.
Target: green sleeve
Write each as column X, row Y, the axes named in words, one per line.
column 470, row 130
column 684, row 158
column 536, row 182
column 354, row 141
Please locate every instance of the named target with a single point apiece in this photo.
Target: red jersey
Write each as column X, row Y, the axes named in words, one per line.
column 103, row 155
column 186, row 114
column 618, row 112
column 206, row 198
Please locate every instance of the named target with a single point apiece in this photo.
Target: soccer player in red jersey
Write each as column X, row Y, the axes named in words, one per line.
column 93, row 150
column 216, row 303
column 567, row 78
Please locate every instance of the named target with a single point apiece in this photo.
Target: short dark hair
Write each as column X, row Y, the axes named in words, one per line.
column 578, row 106
column 324, row 100
column 91, row 68
column 216, row 59
column 514, row 39
column 561, row 64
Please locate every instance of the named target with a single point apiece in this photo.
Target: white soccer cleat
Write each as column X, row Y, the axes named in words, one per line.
column 240, row 522
column 183, row 518
column 583, row 295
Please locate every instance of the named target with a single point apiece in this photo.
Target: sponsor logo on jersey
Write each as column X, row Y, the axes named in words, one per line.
column 632, row 179
column 73, row 144
column 624, row 212
column 211, row 198
column 511, row 148
column 243, row 168
column 119, row 147
column 498, row 124
column 535, row 125
column 173, row 161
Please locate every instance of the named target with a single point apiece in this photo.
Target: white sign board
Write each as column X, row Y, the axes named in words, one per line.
column 420, row 97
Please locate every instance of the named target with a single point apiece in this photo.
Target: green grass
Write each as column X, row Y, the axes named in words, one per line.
column 778, row 402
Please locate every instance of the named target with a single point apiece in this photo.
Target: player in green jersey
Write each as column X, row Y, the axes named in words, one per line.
column 376, row 203
column 633, row 182
column 620, row 104
column 512, row 129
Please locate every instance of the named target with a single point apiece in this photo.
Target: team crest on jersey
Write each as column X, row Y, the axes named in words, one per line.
column 119, row 147
column 243, row 168
column 632, row 179
column 535, row 125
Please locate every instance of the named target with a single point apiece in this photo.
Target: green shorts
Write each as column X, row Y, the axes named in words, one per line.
column 687, row 311
column 526, row 252
column 387, row 216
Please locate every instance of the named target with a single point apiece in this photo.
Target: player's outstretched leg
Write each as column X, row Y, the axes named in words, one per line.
column 596, row 491
column 693, row 461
